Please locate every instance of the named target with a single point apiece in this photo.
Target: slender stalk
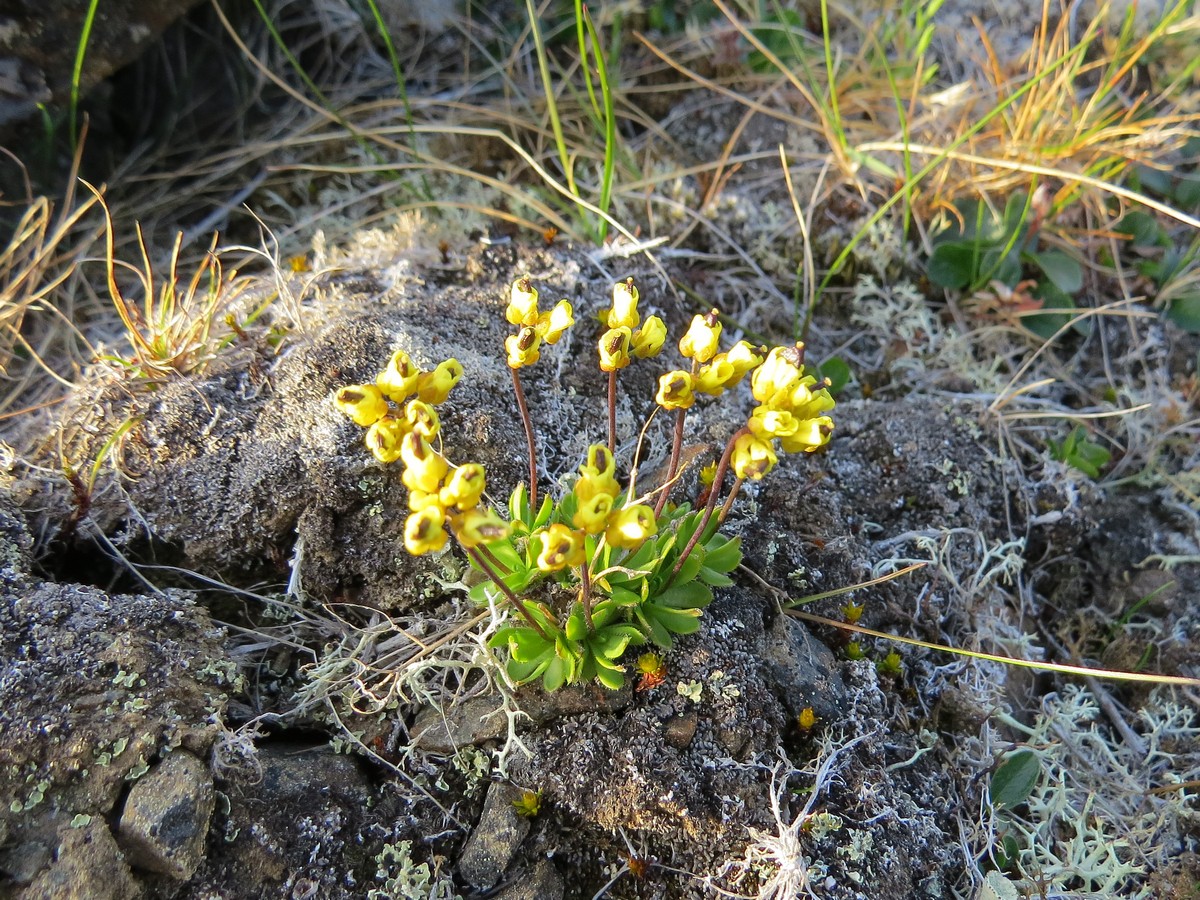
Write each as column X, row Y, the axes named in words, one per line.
column 673, row 465
column 612, row 411
column 528, row 423
column 585, row 595
column 728, row 505
column 722, row 468
column 491, row 558
column 512, row 598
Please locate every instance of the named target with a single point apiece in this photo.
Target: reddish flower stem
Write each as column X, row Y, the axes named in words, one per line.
column 673, row 465
column 728, row 504
column 528, row 423
column 612, row 411
column 512, row 598
column 585, row 595
column 722, row 468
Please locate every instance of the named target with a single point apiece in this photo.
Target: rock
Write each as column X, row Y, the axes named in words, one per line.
column 88, row 865
column 38, row 43
column 804, row 670
column 679, row 730
column 22, row 862
column 491, row 846
column 541, row 883
column 167, row 815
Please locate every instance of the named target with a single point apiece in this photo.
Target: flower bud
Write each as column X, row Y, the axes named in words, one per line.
column 592, row 514
column 614, row 349
column 753, row 457
column 809, row 436
column 398, row 380
column 649, row 339
column 561, row 547
column 744, row 357
column 553, row 324
column 423, row 531
column 464, row 487
column 424, row 467
column 675, row 390
column 522, row 306
column 434, row 387
column 364, row 403
column 624, row 312
column 629, row 527
column 702, row 339
column 522, row 348
column 422, row 418
column 477, row 526
column 383, row 438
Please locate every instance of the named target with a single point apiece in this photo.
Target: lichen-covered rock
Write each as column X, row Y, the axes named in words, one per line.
column 166, row 816
column 87, row 865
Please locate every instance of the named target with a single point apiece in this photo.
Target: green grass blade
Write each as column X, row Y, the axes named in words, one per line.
column 85, row 36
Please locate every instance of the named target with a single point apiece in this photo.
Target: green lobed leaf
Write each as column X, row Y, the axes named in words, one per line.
column 723, row 554
column 692, row 595
column 1064, row 272
column 1184, row 312
column 953, row 265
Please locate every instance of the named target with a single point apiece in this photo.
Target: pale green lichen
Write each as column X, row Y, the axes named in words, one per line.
column 402, row 879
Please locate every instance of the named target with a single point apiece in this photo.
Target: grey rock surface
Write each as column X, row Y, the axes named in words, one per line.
column 88, row 865
column 495, row 839
column 166, row 816
column 540, row 882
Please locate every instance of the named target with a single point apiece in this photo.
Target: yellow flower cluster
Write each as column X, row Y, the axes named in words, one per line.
column 791, row 410
column 596, row 512
column 713, row 373
column 621, row 341
column 398, row 413
column 535, row 326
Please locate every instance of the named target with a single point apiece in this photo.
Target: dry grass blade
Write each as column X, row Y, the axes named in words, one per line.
column 171, row 331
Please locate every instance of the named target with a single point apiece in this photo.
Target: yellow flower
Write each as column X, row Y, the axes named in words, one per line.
column 774, row 381
column 592, row 514
column 811, row 435
column 424, row 467
column 714, row 377
column 624, row 312
column 753, row 457
column 552, row 325
column 399, row 377
column 649, row 339
column 767, row 422
column 522, row 348
column 419, row 500
column 744, row 357
column 675, row 390
column 708, row 474
column 597, row 475
column 702, row 338
column 434, row 387
column 629, row 527
column 807, row 403
column 522, row 304
column 464, row 487
column 561, row 547
column 477, row 526
column 364, row 403
column 423, row 531
column 384, row 436
column 422, row 418
column 614, row 349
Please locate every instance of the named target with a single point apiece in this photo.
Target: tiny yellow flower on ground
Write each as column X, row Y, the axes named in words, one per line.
column 424, row 531
column 624, row 312
column 629, row 527
column 702, row 339
column 477, row 526
column 434, row 387
column 398, row 380
column 648, row 340
column 522, row 348
column 675, row 390
column 364, row 403
column 383, row 438
column 561, row 547
column 614, row 349
column 522, row 306
column 753, row 457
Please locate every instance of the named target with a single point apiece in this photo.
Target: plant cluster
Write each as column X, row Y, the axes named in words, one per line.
column 603, row 566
